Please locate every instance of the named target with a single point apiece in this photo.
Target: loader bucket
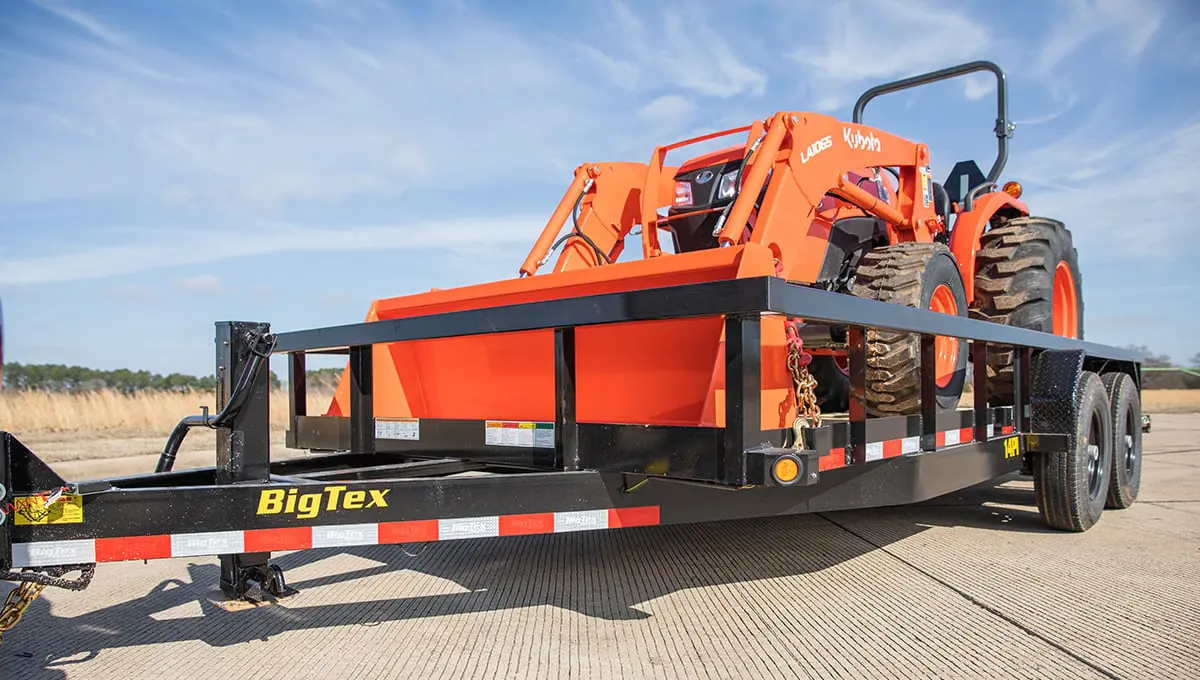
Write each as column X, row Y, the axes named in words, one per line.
column 667, row 372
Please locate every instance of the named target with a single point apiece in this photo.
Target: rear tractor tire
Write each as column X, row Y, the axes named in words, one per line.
column 1026, row 275
column 923, row 275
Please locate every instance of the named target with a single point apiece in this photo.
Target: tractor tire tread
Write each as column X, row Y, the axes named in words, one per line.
column 894, row 274
column 1014, row 283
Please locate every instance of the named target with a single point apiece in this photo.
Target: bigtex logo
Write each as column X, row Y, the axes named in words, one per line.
column 309, row 505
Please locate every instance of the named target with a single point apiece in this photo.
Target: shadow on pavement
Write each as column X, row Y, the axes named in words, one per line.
column 605, row 575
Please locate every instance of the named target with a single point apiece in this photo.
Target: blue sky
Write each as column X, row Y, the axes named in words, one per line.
column 167, row 165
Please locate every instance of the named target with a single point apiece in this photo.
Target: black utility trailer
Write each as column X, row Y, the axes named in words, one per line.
column 1074, row 426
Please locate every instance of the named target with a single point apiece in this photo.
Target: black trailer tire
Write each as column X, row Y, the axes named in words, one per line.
column 1125, row 407
column 908, row 274
column 1071, row 487
column 1015, row 269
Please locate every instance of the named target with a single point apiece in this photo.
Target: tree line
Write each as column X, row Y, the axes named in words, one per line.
column 62, row 378
column 1165, row 379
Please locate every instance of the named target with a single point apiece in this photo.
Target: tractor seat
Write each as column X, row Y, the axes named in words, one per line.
column 941, row 202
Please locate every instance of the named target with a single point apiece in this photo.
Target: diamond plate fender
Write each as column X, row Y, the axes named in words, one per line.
column 1055, row 375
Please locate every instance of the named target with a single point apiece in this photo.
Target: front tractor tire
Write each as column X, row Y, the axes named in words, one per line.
column 922, row 275
column 1026, row 275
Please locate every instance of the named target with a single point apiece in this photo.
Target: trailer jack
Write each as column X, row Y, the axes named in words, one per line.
column 259, row 584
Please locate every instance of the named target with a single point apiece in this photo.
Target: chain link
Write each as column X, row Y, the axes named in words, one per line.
column 30, row 586
column 18, row 601
column 808, row 412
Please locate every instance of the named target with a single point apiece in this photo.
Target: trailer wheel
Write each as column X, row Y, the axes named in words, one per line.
column 1125, row 406
column 1071, row 486
column 1026, row 275
column 923, row 275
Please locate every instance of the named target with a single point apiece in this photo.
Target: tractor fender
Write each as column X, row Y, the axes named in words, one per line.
column 969, row 226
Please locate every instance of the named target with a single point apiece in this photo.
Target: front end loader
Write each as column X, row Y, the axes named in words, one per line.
column 840, row 206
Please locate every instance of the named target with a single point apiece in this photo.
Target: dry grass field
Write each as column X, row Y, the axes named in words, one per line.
column 110, row 413
column 106, row 433
column 1171, row 401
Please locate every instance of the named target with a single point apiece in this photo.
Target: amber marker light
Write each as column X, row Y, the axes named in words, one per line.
column 786, row 469
column 1013, row 189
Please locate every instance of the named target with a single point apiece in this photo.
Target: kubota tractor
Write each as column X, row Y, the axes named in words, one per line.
column 837, row 205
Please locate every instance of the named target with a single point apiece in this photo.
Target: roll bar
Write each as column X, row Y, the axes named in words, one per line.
column 1004, row 128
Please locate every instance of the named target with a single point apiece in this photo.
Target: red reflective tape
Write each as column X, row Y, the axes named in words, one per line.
column 966, row 434
column 520, row 525
column 892, row 448
column 273, row 540
column 1007, row 429
column 941, row 440
column 155, row 547
column 633, row 517
column 412, row 531
column 836, row 458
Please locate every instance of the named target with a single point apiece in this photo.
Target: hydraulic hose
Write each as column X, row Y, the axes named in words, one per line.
column 237, row 396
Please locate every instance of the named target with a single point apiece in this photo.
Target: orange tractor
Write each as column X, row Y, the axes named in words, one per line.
column 840, row 206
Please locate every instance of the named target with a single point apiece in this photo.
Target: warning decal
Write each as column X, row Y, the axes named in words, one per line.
column 523, row 434
column 66, row 509
column 398, row 428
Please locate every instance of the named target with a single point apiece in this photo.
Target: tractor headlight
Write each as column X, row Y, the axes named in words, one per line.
column 728, row 186
column 683, row 193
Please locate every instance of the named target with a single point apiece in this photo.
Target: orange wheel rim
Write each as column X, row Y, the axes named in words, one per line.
column 1066, row 306
column 946, row 348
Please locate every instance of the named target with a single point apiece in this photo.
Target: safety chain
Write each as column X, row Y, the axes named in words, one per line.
column 32, row 583
column 808, row 413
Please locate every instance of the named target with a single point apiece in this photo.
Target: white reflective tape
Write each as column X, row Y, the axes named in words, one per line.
column 910, row 445
column 580, row 520
column 468, row 527
column 874, row 450
column 952, row 437
column 338, row 535
column 49, row 553
column 207, row 543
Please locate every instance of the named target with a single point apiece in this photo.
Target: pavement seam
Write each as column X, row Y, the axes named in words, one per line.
column 976, row 601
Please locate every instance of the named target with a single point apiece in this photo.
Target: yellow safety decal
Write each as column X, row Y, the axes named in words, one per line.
column 1012, row 447
column 66, row 509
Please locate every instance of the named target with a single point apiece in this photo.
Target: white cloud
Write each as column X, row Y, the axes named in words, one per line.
column 178, row 248
column 321, row 108
column 1111, row 195
column 891, row 39
column 684, row 50
column 203, row 283
column 669, row 109
column 1129, row 24
column 975, row 88
column 85, row 21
